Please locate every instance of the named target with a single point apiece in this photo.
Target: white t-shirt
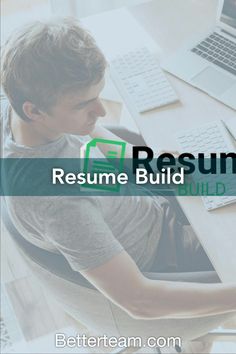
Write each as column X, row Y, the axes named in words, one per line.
column 88, row 231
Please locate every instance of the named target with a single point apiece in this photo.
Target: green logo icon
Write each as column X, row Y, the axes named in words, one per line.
column 112, row 162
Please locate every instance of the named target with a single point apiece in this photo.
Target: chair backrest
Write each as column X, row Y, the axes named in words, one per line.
column 53, row 262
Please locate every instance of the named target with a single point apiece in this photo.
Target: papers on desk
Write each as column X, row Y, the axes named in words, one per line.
column 10, row 330
column 125, row 32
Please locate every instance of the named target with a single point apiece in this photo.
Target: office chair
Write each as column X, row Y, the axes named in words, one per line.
column 96, row 312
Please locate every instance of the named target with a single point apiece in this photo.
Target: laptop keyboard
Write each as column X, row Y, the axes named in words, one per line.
column 218, row 50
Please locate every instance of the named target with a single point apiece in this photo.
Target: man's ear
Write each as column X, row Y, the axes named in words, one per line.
column 32, row 112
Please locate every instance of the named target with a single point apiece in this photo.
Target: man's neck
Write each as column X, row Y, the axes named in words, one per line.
column 30, row 133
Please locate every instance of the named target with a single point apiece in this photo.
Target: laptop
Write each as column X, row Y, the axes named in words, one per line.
column 210, row 63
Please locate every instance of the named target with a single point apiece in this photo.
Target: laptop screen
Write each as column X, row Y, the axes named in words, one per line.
column 228, row 15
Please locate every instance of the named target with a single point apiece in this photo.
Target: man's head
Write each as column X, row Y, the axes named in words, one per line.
column 53, row 73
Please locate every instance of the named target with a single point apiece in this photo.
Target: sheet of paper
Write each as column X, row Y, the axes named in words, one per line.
column 125, row 32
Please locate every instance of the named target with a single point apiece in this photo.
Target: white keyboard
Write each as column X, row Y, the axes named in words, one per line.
column 141, row 81
column 209, row 138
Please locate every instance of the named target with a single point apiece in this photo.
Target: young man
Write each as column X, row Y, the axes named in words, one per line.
column 52, row 75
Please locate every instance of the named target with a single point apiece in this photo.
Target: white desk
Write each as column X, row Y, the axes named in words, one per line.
column 170, row 23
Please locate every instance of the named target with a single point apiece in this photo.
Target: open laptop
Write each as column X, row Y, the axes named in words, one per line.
column 210, row 64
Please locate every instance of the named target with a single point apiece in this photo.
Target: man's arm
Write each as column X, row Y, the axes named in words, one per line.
column 122, row 282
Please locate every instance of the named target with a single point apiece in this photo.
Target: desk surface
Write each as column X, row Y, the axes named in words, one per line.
column 170, row 23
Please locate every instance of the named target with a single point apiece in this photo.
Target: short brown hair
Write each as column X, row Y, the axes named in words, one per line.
column 45, row 60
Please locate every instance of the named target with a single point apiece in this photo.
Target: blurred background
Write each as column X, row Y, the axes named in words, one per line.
column 18, row 12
